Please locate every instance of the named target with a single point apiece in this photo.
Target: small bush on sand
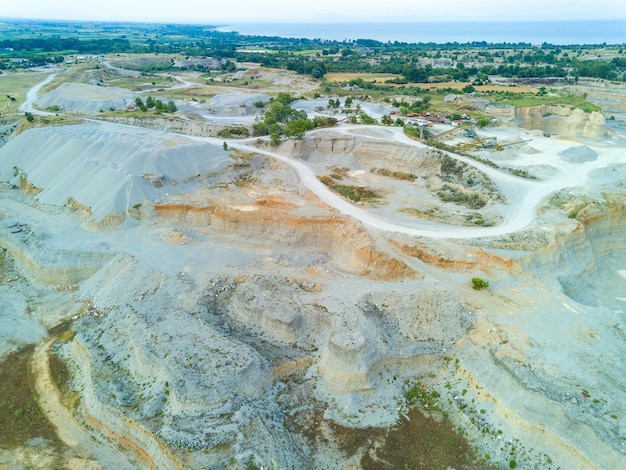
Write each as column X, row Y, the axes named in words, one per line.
column 478, row 283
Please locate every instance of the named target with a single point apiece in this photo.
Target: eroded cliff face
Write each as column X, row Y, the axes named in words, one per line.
column 361, row 153
column 561, row 120
column 588, row 262
column 331, row 236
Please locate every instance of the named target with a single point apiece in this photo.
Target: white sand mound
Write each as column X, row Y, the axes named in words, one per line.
column 528, row 150
column 87, row 99
column 107, row 167
column 507, row 154
column 580, row 154
column 235, row 104
column 319, row 106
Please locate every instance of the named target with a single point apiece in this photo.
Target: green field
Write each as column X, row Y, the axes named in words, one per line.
column 16, row 85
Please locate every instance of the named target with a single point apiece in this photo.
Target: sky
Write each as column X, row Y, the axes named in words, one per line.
column 227, row 12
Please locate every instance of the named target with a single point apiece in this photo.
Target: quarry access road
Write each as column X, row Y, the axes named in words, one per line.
column 520, row 215
column 31, row 97
column 524, row 195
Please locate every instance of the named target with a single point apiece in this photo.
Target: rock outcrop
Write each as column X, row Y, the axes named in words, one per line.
column 561, row 120
column 25, row 240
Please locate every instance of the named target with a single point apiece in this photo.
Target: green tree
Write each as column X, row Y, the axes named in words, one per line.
column 260, row 128
column 171, row 107
column 297, row 128
column 366, row 118
column 150, row 102
column 284, row 98
column 225, row 145
column 483, row 121
column 317, row 73
column 274, row 140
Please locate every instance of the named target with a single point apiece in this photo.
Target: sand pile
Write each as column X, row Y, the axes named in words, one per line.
column 528, row 150
column 107, row 167
column 235, row 104
column 87, row 99
column 319, row 106
column 507, row 154
column 580, row 154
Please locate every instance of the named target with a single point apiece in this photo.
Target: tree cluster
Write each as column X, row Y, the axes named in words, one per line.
column 157, row 105
column 281, row 119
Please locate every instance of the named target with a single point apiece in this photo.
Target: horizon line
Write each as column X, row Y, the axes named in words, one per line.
column 286, row 21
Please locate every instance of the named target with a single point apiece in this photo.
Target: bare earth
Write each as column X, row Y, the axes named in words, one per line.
column 231, row 310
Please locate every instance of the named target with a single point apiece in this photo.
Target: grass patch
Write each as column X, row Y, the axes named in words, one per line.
column 139, row 83
column 429, row 214
column 45, row 121
column 308, row 52
column 241, row 158
column 470, row 200
column 483, row 88
column 418, row 393
column 339, row 172
column 20, row 416
column 366, row 77
column 523, row 100
column 399, row 175
column 354, row 193
column 76, row 74
column 423, row 443
column 572, row 214
column 238, row 132
column 520, row 172
column 13, row 88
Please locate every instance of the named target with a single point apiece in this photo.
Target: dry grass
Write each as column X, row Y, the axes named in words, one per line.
column 16, row 85
column 479, row 88
column 78, row 73
column 367, row 77
column 20, row 416
column 383, row 77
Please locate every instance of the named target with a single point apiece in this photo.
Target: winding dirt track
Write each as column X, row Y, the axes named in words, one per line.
column 525, row 196
column 31, row 97
column 528, row 196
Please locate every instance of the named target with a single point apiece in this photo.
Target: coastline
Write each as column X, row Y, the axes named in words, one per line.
column 533, row 32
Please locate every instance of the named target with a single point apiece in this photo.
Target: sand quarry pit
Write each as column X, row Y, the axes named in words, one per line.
column 229, row 307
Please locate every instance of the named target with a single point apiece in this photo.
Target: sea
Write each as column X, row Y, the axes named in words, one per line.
column 596, row 32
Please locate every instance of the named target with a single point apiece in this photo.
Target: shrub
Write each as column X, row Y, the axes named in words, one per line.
column 478, row 283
